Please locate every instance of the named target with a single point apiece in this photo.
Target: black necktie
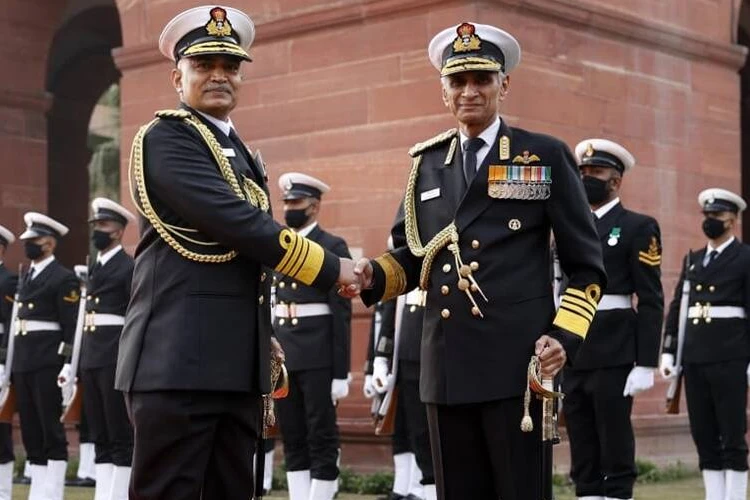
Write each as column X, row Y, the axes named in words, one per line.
column 712, row 257
column 470, row 158
column 96, row 268
column 29, row 275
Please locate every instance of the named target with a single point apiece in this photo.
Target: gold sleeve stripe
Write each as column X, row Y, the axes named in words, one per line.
column 578, row 310
column 581, row 295
column 303, row 258
column 650, row 262
column 649, row 258
column 571, row 322
column 585, row 305
column 395, row 277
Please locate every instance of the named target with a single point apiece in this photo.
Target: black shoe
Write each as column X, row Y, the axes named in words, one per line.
column 411, row 496
column 85, row 482
column 21, row 480
column 392, row 496
column 266, row 492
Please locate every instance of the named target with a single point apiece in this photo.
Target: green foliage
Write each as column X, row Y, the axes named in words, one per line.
column 649, row 472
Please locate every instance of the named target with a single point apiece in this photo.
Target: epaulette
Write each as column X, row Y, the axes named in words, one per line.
column 421, row 147
column 173, row 114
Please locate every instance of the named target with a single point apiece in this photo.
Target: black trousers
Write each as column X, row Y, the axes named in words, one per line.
column 602, row 444
column 415, row 413
column 193, row 445
column 104, row 407
column 39, row 402
column 307, row 419
column 716, row 400
column 6, row 444
column 400, row 437
column 480, row 453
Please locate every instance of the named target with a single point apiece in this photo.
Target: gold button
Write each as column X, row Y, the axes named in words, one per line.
column 294, row 286
column 445, row 290
column 96, row 300
column 20, row 304
column 697, row 304
column 711, row 288
column 475, row 311
column 92, row 328
column 695, row 321
column 446, row 268
column 412, row 308
column 281, row 322
column 295, row 321
column 445, row 313
column 699, row 287
column 708, row 320
column 282, row 284
column 89, row 297
column 474, row 266
column 31, row 305
column 262, row 277
column 475, row 244
column 261, row 299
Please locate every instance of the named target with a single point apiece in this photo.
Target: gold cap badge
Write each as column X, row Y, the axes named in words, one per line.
column 219, row 24
column 467, row 40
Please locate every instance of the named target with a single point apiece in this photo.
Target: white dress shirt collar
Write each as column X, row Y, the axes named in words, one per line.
column 224, row 126
column 38, row 267
column 488, row 135
column 307, row 229
column 721, row 247
column 106, row 256
column 604, row 209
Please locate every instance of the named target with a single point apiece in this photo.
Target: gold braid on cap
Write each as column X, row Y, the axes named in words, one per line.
column 170, row 233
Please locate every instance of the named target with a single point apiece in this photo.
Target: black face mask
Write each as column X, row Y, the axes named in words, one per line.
column 33, row 250
column 101, row 239
column 713, row 228
column 296, row 218
column 596, row 189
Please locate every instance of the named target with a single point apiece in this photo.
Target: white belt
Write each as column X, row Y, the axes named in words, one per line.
column 97, row 319
column 2, row 328
column 609, row 302
column 31, row 325
column 416, row 297
column 707, row 311
column 301, row 310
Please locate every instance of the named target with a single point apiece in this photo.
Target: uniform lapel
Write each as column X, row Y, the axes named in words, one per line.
column 611, row 219
column 724, row 258
column 476, row 200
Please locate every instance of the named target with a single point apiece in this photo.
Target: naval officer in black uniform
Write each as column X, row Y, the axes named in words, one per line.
column 313, row 327
column 194, row 354
column 479, row 206
column 108, row 295
column 716, row 349
column 409, row 405
column 47, row 311
column 621, row 351
column 8, row 284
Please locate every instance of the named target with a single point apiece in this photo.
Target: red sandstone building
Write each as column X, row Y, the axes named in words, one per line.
column 342, row 89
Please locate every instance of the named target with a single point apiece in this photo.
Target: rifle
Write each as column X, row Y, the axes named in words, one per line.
column 279, row 390
column 73, row 403
column 675, row 386
column 385, row 418
column 7, row 391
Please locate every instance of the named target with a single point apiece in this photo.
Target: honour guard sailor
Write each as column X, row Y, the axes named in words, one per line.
column 715, row 349
column 108, row 295
column 621, row 351
column 314, row 328
column 195, row 353
column 480, row 202
column 47, row 311
column 8, row 284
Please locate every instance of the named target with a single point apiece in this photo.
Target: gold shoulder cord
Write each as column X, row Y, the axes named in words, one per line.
column 250, row 191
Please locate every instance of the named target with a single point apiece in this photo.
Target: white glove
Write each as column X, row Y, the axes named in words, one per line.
column 380, row 378
column 2, row 373
column 368, row 389
column 640, row 379
column 65, row 377
column 339, row 389
column 666, row 366
column 67, row 393
column 748, row 374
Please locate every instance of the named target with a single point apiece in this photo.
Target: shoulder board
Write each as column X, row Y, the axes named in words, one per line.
column 173, row 114
column 421, row 147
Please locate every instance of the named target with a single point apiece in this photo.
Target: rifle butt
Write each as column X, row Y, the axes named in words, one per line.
column 386, row 425
column 7, row 404
column 673, row 397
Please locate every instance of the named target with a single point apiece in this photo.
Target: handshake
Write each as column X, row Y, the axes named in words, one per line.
column 354, row 277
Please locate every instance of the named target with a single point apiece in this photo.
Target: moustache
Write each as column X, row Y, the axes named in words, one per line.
column 220, row 88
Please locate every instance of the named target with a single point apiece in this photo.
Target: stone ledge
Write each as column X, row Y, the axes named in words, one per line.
column 584, row 13
column 28, row 100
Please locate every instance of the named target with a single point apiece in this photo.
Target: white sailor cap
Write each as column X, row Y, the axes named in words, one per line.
column 296, row 185
column 474, row 47
column 106, row 209
column 720, row 200
column 6, row 237
column 41, row 225
column 604, row 153
column 208, row 30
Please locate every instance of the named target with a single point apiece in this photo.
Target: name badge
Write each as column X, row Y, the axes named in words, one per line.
column 428, row 195
column 229, row 152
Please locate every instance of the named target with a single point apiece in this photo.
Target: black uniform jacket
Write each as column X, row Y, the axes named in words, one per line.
column 725, row 282
column 467, row 358
column 316, row 341
column 51, row 296
column 108, row 293
column 206, row 325
column 631, row 245
column 8, row 284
